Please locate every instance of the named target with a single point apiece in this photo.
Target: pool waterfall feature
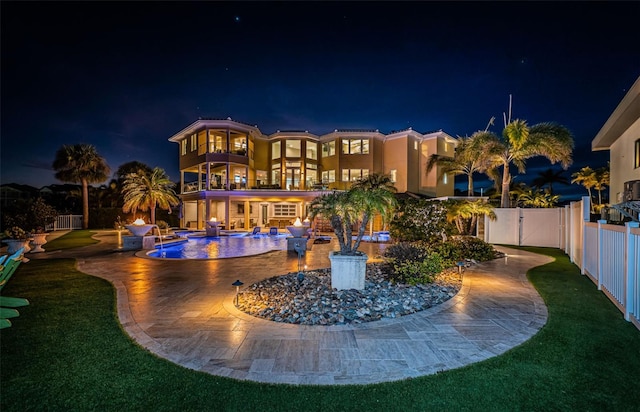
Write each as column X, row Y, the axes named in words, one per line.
column 139, row 240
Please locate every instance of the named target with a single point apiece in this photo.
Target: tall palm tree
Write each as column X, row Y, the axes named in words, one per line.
column 520, row 142
column 603, row 178
column 549, row 177
column 587, row 178
column 146, row 191
column 123, row 170
column 357, row 205
column 81, row 163
column 472, row 154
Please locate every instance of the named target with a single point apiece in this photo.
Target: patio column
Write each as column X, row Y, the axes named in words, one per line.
column 247, row 214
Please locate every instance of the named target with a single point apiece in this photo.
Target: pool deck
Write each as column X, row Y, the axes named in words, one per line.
column 183, row 311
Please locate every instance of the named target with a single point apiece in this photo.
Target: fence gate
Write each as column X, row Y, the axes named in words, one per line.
column 525, row 227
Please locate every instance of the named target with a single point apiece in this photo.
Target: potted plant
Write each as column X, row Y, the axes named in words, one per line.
column 15, row 238
column 356, row 206
column 40, row 215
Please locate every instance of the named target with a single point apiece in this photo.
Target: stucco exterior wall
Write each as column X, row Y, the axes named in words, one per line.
column 622, row 161
column 395, row 158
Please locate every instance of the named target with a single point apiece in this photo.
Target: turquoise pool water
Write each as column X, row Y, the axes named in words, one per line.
column 220, row 247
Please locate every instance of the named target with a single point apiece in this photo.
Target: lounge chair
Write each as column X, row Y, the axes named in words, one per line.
column 256, row 231
column 10, row 267
column 273, row 231
column 11, row 264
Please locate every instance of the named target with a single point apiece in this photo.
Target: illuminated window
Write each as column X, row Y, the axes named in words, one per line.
column 275, row 150
column 312, row 150
column 292, row 148
column 261, row 177
column 239, row 145
column 217, row 141
column 202, row 142
column 351, row 175
column 312, row 176
column 445, row 179
column 355, row 146
column 637, row 155
column 415, row 145
column 393, row 173
column 328, row 148
column 284, row 210
column 194, row 142
column 275, row 174
column 183, row 147
column 329, row 176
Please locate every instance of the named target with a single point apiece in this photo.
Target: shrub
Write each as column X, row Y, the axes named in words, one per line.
column 418, row 272
column 451, row 251
column 464, row 247
column 421, row 220
column 405, row 251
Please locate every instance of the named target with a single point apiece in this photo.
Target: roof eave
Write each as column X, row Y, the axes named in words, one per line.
column 625, row 114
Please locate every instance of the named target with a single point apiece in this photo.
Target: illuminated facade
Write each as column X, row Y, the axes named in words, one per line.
column 233, row 172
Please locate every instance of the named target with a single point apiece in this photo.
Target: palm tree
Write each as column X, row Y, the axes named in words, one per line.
column 587, row 178
column 468, row 158
column 377, row 181
column 146, row 191
column 465, row 214
column 371, row 195
column 549, row 177
column 520, row 142
column 81, row 163
column 603, row 178
column 530, row 197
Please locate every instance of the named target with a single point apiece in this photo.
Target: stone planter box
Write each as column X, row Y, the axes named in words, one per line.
column 348, row 272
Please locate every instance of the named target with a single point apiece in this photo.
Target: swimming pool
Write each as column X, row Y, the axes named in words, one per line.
column 220, row 247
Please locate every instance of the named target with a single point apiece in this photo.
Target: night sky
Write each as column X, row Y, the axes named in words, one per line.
column 127, row 76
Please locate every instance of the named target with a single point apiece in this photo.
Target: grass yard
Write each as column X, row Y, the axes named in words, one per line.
column 68, row 352
column 75, row 238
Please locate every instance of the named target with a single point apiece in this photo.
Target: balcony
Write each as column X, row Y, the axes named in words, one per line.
column 256, row 185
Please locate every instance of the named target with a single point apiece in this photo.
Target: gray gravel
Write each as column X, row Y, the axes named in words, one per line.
column 313, row 302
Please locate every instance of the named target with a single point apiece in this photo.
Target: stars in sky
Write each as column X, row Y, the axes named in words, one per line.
column 126, row 76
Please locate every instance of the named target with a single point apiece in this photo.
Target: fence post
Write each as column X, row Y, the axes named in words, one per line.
column 600, row 246
column 629, row 270
column 586, row 210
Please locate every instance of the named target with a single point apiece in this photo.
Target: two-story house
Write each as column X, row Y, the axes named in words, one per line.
column 234, row 173
column 621, row 136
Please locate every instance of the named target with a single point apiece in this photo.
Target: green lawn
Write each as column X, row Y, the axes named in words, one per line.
column 75, row 238
column 67, row 351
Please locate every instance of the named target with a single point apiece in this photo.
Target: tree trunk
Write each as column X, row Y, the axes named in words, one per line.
column 152, row 214
column 591, row 209
column 470, row 186
column 85, row 204
column 506, row 179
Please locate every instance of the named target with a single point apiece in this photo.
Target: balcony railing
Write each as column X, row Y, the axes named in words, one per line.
column 191, row 187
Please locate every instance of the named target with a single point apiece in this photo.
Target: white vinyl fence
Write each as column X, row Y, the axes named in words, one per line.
column 608, row 254
column 66, row 222
column 525, row 227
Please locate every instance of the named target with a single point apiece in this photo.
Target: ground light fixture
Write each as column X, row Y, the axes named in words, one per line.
column 237, row 284
column 300, row 250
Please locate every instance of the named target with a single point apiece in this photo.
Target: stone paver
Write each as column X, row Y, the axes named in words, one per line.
column 184, row 311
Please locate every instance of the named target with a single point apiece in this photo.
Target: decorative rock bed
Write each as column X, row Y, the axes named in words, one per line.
column 313, row 302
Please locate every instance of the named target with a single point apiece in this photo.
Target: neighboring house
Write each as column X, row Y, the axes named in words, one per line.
column 233, row 172
column 621, row 136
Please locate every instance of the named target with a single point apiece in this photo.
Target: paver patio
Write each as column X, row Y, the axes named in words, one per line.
column 183, row 310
